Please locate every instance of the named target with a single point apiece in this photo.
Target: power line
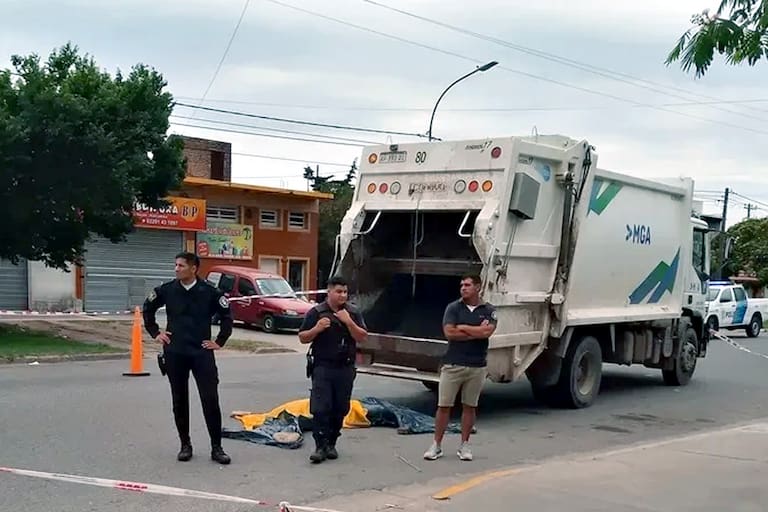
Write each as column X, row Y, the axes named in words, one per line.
column 476, row 109
column 511, row 70
column 606, row 73
column 760, row 203
column 226, row 51
column 283, row 137
column 277, row 130
column 296, row 121
column 285, row 159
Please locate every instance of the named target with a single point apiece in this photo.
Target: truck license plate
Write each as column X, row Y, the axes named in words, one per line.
column 394, row 157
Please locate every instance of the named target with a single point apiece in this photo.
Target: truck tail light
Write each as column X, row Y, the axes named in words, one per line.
column 495, row 152
column 373, row 158
column 383, row 188
column 394, row 188
column 460, row 186
column 487, row 185
column 371, row 188
column 473, row 185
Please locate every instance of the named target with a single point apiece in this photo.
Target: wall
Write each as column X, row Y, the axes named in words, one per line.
column 52, row 289
column 198, row 155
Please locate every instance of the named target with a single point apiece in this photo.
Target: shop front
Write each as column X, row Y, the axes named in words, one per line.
column 118, row 277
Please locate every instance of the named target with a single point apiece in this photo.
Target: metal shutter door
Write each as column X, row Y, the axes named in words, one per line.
column 120, row 276
column 13, row 286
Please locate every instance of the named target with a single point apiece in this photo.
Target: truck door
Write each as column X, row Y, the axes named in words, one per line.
column 740, row 312
column 727, row 308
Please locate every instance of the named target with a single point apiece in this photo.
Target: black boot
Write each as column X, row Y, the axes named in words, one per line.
column 218, row 455
column 185, row 453
column 330, row 451
column 320, row 453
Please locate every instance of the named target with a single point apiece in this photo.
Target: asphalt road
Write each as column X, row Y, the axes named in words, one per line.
column 87, row 419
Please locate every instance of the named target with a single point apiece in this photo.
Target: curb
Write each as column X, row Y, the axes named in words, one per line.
column 65, row 359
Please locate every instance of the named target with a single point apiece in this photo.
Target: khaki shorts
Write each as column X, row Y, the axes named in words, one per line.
column 454, row 378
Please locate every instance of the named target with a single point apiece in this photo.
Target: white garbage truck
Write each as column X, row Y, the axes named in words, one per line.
column 584, row 266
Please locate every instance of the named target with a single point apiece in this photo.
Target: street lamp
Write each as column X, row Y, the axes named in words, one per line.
column 479, row 69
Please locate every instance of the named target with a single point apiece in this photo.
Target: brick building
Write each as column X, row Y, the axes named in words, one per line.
column 273, row 229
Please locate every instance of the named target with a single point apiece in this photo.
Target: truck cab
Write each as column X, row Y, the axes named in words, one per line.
column 729, row 308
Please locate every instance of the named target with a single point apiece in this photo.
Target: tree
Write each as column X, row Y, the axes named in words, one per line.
column 750, row 247
column 331, row 212
column 742, row 36
column 77, row 149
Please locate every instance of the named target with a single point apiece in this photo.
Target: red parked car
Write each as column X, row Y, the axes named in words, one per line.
column 270, row 313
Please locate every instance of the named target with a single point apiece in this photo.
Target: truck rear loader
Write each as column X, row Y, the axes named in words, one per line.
column 584, row 266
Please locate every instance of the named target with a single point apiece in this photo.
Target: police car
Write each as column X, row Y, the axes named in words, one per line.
column 729, row 308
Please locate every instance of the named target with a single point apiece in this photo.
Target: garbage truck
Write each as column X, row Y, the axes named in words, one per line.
column 584, row 266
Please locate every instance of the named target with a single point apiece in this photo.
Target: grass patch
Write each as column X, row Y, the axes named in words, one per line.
column 252, row 345
column 17, row 342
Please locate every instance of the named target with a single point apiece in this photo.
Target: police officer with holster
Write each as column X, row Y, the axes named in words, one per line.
column 190, row 302
column 333, row 328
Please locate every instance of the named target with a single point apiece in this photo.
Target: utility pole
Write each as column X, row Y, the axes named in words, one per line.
column 725, row 208
column 749, row 208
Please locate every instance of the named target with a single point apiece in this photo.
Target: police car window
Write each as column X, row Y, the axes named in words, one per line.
column 726, row 296
column 226, row 283
column 245, row 287
column 213, row 278
column 740, row 294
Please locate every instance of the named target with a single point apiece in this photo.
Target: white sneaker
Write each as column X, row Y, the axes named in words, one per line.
column 434, row 452
column 464, row 452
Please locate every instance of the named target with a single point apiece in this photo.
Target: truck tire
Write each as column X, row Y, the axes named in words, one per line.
column 581, row 374
column 755, row 326
column 685, row 363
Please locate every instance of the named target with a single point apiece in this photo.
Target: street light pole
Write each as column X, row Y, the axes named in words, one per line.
column 479, row 69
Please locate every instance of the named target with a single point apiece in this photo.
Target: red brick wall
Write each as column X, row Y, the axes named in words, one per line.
column 198, row 155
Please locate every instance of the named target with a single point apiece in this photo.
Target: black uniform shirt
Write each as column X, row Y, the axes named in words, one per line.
column 189, row 314
column 335, row 345
column 472, row 352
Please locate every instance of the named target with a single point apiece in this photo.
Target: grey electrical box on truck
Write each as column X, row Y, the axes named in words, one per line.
column 585, row 266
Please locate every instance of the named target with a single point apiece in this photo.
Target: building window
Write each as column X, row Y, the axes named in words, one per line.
column 297, row 220
column 269, row 219
column 222, row 214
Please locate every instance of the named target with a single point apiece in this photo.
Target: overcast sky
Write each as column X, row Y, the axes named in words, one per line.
column 292, row 64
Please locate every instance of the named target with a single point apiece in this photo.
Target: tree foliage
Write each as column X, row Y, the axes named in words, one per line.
column 741, row 36
column 750, row 247
column 77, row 149
column 331, row 212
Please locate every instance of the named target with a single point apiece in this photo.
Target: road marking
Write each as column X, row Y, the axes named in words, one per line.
column 131, row 486
column 757, row 427
column 453, row 490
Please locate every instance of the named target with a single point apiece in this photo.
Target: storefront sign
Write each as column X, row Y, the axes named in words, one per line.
column 182, row 214
column 226, row 241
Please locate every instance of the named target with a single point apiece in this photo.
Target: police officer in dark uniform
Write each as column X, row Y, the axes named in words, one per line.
column 334, row 328
column 190, row 302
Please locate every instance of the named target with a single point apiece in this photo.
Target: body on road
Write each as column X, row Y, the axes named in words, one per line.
column 333, row 328
column 190, row 303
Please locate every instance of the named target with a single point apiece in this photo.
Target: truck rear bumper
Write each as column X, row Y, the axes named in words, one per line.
column 422, row 355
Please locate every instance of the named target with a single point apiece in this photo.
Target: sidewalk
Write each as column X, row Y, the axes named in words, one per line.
column 724, row 470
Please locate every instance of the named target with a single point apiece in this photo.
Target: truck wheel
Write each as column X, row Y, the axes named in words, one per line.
column 755, row 326
column 268, row 324
column 581, row 374
column 685, row 364
column 432, row 386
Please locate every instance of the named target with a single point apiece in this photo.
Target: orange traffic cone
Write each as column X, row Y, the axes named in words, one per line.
column 136, row 348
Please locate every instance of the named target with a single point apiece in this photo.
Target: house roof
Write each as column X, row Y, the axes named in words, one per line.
column 228, row 185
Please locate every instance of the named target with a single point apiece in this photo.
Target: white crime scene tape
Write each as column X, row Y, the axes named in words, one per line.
column 729, row 341
column 287, row 507
column 132, row 486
